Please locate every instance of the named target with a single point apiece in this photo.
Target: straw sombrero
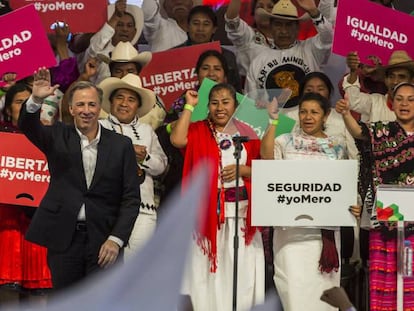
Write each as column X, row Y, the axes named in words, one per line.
column 130, row 82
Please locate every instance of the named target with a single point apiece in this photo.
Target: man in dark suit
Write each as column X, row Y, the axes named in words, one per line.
column 89, row 210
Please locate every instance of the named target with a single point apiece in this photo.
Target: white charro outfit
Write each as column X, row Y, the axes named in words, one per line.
column 297, row 250
column 161, row 33
column 153, row 165
column 372, row 107
column 285, row 68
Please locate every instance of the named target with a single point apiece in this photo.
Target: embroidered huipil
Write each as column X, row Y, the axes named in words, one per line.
column 155, row 161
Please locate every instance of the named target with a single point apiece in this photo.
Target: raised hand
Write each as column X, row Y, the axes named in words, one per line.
column 62, row 32
column 372, row 70
column 309, row 6
column 120, row 8
column 191, row 97
column 342, row 106
column 273, row 109
column 9, row 79
column 352, row 61
column 90, row 69
column 42, row 85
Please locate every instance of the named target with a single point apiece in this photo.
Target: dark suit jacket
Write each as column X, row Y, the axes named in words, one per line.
column 112, row 200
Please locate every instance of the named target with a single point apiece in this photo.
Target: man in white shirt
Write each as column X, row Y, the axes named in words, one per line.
column 127, row 101
column 125, row 24
column 163, row 33
column 287, row 64
column 377, row 107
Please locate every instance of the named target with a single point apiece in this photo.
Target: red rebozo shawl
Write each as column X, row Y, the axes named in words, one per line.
column 201, row 146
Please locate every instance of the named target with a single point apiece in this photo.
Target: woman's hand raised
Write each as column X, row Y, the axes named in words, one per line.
column 191, row 97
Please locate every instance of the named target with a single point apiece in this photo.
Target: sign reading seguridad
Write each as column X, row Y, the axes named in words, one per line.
column 297, row 193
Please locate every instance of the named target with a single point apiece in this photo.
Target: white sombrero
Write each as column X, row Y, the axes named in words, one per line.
column 125, row 52
column 130, row 82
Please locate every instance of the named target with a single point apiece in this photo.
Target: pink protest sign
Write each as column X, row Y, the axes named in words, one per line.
column 24, row 46
column 361, row 26
column 81, row 15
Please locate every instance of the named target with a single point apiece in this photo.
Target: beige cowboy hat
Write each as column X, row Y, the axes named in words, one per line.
column 125, row 52
column 138, row 15
column 400, row 59
column 130, row 82
column 284, row 9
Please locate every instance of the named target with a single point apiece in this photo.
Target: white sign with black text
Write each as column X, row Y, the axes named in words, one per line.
column 303, row 193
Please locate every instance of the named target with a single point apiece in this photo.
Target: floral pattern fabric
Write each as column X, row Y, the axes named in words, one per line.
column 386, row 158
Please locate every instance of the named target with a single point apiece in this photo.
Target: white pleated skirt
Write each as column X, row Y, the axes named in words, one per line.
column 296, row 261
column 214, row 291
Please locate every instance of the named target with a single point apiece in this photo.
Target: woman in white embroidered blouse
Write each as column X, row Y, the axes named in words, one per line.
column 304, row 263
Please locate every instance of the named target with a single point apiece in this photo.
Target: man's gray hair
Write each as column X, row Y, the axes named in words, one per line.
column 81, row 85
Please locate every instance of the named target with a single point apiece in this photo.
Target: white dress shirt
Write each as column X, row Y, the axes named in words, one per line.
column 89, row 151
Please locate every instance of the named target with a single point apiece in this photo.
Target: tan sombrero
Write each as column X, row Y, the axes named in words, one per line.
column 125, row 52
column 284, row 9
column 130, row 82
column 398, row 59
column 138, row 15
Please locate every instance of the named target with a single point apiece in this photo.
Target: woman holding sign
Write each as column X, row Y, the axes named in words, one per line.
column 210, row 270
column 23, row 266
column 306, row 260
column 387, row 154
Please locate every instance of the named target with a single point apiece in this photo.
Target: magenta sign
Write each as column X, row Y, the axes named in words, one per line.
column 24, row 46
column 371, row 29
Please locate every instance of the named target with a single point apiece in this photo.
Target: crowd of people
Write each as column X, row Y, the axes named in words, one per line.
column 115, row 154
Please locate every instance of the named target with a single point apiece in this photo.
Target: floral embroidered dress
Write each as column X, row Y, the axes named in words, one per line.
column 297, row 250
column 386, row 158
